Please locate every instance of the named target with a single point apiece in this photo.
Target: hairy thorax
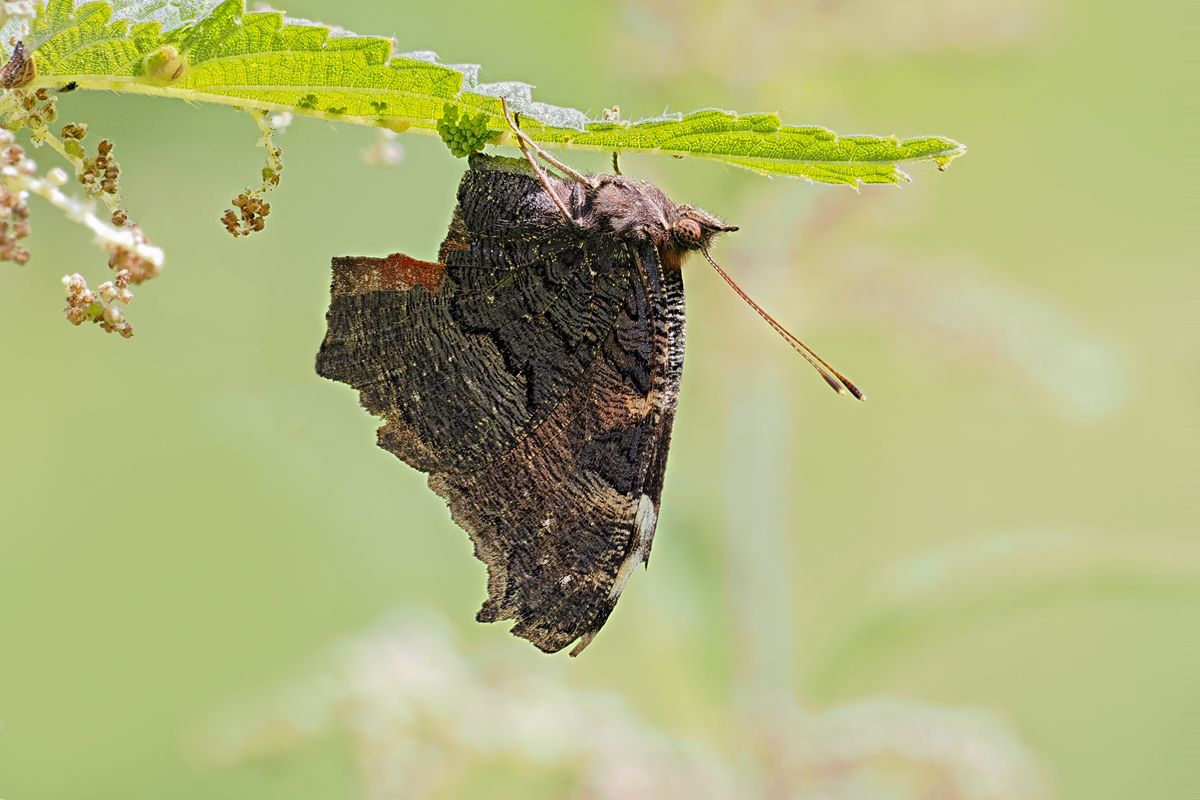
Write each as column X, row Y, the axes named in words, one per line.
column 638, row 213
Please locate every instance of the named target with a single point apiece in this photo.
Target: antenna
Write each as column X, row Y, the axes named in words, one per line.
column 831, row 375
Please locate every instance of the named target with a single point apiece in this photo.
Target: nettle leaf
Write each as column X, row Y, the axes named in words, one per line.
column 201, row 50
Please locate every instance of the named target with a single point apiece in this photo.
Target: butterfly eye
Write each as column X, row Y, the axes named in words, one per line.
column 688, row 230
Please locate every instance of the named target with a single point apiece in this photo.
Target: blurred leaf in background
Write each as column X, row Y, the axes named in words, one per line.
column 977, row 585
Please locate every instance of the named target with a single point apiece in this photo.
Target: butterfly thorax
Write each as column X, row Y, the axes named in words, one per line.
column 638, row 212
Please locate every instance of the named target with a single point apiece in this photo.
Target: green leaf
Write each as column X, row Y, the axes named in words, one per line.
column 217, row 51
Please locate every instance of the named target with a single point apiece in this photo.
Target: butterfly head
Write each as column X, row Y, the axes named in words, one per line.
column 695, row 228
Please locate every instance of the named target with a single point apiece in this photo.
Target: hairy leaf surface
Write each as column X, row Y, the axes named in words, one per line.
column 218, row 52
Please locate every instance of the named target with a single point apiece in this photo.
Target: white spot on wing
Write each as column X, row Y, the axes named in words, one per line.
column 645, row 520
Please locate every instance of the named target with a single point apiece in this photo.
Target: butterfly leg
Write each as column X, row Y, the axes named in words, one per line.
column 549, row 159
column 525, row 142
column 537, row 168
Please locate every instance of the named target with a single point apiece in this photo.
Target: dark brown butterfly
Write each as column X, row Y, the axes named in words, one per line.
column 533, row 372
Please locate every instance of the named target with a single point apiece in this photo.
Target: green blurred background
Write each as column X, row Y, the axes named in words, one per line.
column 188, row 516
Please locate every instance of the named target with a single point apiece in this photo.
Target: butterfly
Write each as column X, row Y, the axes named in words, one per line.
column 533, row 372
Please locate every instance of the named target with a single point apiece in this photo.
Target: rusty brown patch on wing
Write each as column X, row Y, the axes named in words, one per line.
column 403, row 273
column 355, row 275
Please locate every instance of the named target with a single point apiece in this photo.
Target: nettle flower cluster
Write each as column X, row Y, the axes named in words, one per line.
column 133, row 261
column 99, row 306
column 130, row 255
column 252, row 210
column 252, row 218
column 14, row 213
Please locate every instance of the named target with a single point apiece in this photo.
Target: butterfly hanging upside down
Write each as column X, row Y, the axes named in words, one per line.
column 533, row 372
